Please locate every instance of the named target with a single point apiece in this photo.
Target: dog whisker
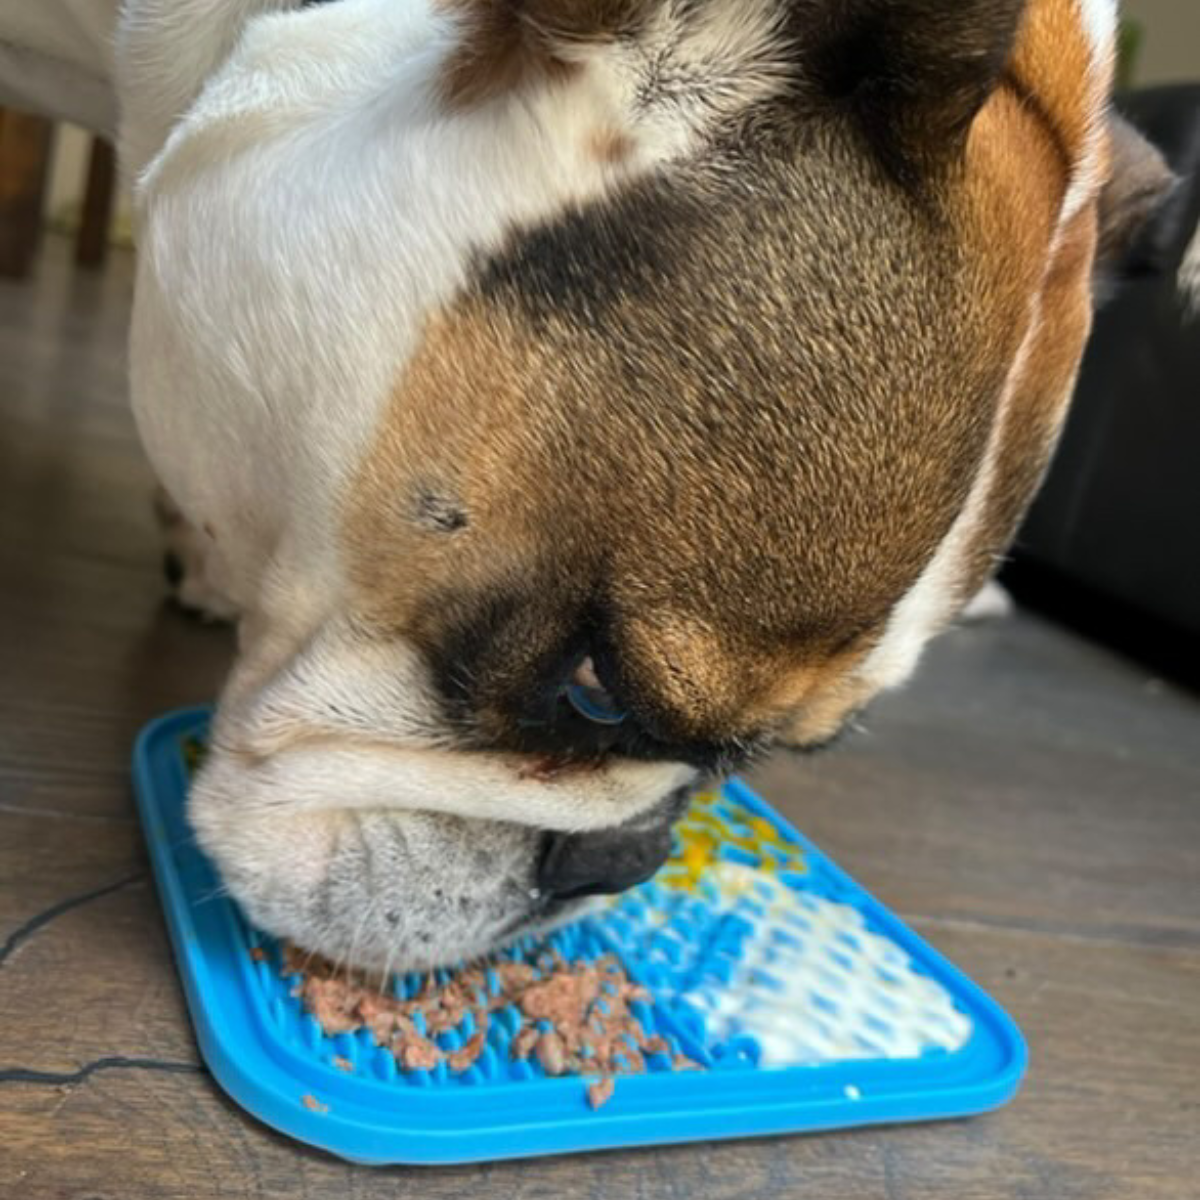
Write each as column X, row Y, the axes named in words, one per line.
column 219, row 892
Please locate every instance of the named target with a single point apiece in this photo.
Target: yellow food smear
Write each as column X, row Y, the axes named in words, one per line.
column 704, row 831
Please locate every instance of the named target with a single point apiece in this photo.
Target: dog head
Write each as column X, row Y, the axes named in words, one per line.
column 584, row 396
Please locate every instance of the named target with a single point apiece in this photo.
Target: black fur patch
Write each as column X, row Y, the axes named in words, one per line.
column 487, row 662
column 911, row 73
column 588, row 260
column 439, row 512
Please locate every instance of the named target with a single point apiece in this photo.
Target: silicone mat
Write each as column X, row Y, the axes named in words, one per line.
column 808, row 1004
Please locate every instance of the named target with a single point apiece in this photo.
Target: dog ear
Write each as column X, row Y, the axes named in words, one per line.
column 569, row 20
column 508, row 43
column 913, row 73
column 1138, row 183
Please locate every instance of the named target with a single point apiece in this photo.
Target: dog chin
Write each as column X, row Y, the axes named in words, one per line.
column 379, row 889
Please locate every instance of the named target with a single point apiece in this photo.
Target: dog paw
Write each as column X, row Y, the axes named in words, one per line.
column 187, row 556
column 990, row 603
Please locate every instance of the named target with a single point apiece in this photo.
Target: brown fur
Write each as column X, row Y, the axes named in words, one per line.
column 1053, row 61
column 611, row 146
column 718, row 425
column 1017, row 180
column 717, row 567
column 1051, row 57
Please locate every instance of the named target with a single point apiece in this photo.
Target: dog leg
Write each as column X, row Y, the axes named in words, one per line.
column 186, row 557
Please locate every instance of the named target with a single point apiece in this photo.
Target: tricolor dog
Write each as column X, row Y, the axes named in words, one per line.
column 574, row 398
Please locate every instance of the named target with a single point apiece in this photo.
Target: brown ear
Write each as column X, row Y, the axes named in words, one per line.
column 914, row 73
column 580, row 19
column 1139, row 182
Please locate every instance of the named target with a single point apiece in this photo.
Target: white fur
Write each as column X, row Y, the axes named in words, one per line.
column 1100, row 21
column 1100, row 24
column 382, row 778
column 991, row 603
column 356, row 717
column 166, row 51
column 1189, row 275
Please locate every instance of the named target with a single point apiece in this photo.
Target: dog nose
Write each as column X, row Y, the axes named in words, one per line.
column 600, row 863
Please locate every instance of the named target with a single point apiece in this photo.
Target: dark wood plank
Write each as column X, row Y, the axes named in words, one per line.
column 90, row 651
column 1024, row 777
column 25, row 142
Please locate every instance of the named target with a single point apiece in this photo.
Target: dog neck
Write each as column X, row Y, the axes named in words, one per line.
column 167, row 50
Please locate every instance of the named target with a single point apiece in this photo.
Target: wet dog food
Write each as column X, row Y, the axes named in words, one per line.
column 576, row 1017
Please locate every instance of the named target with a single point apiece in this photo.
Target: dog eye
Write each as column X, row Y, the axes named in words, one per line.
column 590, row 699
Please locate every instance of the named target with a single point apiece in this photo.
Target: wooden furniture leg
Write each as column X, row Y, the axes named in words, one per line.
column 91, row 245
column 25, row 144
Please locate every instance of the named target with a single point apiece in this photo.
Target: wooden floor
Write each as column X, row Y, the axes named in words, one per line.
column 1031, row 805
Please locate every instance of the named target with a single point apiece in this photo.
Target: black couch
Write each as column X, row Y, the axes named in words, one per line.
column 1112, row 544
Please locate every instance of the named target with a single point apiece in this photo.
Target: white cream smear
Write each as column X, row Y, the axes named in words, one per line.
column 799, row 973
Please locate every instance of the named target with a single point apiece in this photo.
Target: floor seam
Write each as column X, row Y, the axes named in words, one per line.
column 24, row 932
column 116, row 1062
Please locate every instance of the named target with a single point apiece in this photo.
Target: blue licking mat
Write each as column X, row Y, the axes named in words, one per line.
column 808, row 1004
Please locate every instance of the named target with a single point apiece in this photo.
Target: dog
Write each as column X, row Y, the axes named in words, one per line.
column 572, row 399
